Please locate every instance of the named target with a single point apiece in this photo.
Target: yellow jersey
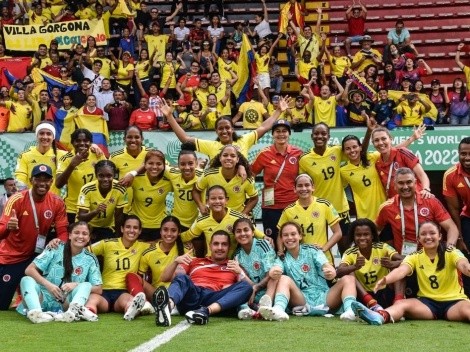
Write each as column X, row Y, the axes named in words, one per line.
column 212, row 148
column 125, row 162
column 20, row 119
column 324, row 110
column 157, row 43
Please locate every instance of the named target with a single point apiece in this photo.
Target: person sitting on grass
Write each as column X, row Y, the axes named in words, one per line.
column 440, row 294
column 202, row 286
column 61, row 279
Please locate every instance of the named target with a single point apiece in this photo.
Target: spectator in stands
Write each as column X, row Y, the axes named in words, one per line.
column 275, row 75
column 21, row 112
column 464, row 68
column 413, row 72
column 143, row 67
column 118, row 112
column 216, row 32
column 10, row 188
column 104, row 96
column 391, row 78
column 308, row 39
column 181, row 35
column 193, row 294
column 252, row 113
column 168, row 71
column 126, row 43
column 300, row 116
column 224, row 63
column 206, row 58
column 56, row 98
column 356, row 106
column 36, row 15
column 262, row 65
column 155, row 99
column 41, row 58
column 124, row 71
column 79, row 96
column 105, row 61
column 356, row 16
column 458, row 101
column 94, row 75
column 395, row 57
column 407, row 209
column 439, row 101
column 188, row 82
column 262, row 31
column 291, row 49
column 366, row 56
column 156, row 42
column 413, row 110
column 400, row 36
column 197, row 34
column 222, row 91
column 143, row 117
column 339, row 64
column 24, row 235
column 292, row 11
column 324, row 106
column 193, row 118
column 384, row 110
column 220, row 10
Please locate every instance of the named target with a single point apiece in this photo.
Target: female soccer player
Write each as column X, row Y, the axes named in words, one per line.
column 322, row 164
column 45, row 152
column 157, row 257
column 62, row 279
column 393, row 158
column 183, row 178
column 302, row 281
column 101, row 202
column 220, row 217
column 369, row 260
column 120, row 257
column 255, row 257
column 76, row 168
column 314, row 216
column 440, row 294
column 225, row 132
column 147, row 195
column 242, row 196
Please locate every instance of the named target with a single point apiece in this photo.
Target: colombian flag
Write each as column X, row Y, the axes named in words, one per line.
column 243, row 88
column 64, row 122
column 297, row 11
column 13, row 68
column 97, row 126
column 65, row 86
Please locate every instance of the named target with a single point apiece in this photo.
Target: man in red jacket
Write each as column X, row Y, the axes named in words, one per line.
column 24, row 227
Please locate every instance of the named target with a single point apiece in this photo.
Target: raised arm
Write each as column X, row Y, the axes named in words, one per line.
column 267, row 124
column 457, row 56
column 180, row 133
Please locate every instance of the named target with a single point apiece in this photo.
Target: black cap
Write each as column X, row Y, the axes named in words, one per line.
column 278, row 123
column 42, row 169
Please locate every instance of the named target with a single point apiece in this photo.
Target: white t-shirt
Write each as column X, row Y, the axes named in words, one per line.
column 215, row 32
column 263, row 29
column 181, row 33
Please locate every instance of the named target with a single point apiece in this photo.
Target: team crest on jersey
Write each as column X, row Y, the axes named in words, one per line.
column 375, row 261
column 315, row 214
column 78, row 270
column 333, row 157
column 305, row 268
column 161, row 191
column 48, row 214
column 229, row 228
column 111, row 200
column 293, row 160
column 256, row 265
column 133, row 251
column 268, row 232
column 424, row 211
column 236, row 189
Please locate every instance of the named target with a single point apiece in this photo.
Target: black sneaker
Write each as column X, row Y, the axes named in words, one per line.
column 199, row 316
column 161, row 304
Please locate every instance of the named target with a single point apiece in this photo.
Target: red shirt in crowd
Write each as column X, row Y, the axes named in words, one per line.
column 356, row 26
column 145, row 120
column 457, row 185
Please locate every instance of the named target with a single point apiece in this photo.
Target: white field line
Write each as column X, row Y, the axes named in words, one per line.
column 161, row 339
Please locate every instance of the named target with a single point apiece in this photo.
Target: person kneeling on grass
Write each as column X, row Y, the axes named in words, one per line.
column 121, row 256
column 304, row 274
column 440, row 294
column 61, row 279
column 202, row 286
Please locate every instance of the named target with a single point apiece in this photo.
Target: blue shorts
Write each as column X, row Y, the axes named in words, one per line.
column 356, row 38
column 439, row 309
column 111, row 296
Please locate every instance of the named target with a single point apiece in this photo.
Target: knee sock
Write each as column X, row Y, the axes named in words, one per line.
column 281, row 301
column 81, row 293
column 134, row 284
column 30, row 291
column 347, row 302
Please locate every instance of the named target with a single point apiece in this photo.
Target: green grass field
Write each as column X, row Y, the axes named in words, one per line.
column 112, row 333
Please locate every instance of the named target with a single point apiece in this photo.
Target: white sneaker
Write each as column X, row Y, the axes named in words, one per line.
column 70, row 315
column 136, row 305
column 348, row 315
column 246, row 314
column 147, row 309
column 86, row 314
column 273, row 313
column 265, row 301
column 37, row 316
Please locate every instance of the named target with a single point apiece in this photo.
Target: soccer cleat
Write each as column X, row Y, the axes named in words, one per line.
column 265, row 301
column 70, row 315
column 348, row 315
column 136, row 305
column 246, row 314
column 161, row 304
column 369, row 316
column 273, row 313
column 85, row 314
column 147, row 309
column 37, row 316
column 199, row 316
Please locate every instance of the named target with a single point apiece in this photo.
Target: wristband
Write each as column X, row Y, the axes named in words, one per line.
column 133, row 173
